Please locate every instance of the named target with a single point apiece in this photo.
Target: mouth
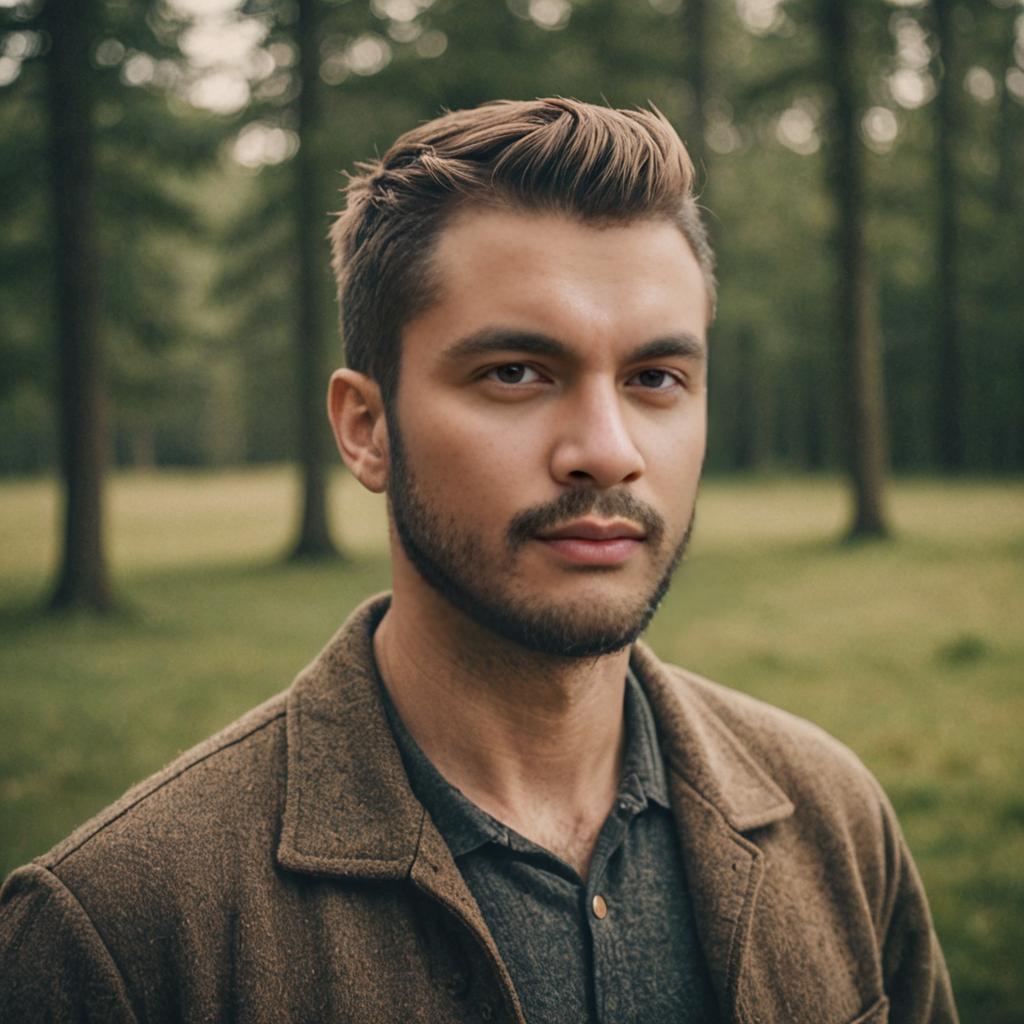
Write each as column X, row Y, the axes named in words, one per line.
column 595, row 530
column 592, row 542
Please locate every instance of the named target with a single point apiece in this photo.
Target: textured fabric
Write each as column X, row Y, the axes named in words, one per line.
column 642, row 960
column 284, row 871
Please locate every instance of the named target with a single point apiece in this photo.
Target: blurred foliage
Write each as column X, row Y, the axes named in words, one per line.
column 198, row 227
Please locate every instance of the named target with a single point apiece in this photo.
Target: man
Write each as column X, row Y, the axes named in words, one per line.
column 485, row 800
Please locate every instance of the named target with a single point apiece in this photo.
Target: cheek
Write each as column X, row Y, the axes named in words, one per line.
column 477, row 447
column 470, row 469
column 674, row 466
column 677, row 445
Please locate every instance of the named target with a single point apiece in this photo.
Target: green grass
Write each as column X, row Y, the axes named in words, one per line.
column 911, row 652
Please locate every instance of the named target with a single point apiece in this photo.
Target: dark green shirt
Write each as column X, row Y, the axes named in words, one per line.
column 620, row 946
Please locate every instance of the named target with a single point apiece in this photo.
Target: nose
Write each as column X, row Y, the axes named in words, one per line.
column 594, row 445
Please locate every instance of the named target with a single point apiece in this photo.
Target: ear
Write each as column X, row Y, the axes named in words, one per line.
column 356, row 411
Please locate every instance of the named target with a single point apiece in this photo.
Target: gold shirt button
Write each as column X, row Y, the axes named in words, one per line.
column 599, row 907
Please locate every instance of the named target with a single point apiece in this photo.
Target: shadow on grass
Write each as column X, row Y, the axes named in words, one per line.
column 140, row 595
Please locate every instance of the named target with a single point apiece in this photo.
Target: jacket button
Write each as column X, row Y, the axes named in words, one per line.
column 599, row 906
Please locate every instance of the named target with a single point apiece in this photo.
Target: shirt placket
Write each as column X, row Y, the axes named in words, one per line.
column 602, row 904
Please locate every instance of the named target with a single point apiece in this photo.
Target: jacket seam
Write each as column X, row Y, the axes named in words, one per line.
column 419, row 843
column 735, row 954
column 142, row 797
column 894, row 872
column 99, row 938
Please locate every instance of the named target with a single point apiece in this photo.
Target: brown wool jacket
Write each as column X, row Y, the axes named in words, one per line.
column 283, row 871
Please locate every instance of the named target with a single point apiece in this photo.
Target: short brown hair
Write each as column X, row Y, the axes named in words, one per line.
column 601, row 165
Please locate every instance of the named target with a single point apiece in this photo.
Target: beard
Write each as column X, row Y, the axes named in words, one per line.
column 453, row 560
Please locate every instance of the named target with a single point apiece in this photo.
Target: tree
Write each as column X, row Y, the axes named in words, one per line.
column 696, row 20
column 291, row 101
column 82, row 577
column 767, row 120
column 314, row 540
column 949, row 361
column 856, row 310
column 95, row 74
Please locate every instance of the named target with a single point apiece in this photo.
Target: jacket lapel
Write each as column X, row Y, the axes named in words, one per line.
column 349, row 810
column 348, row 807
column 718, row 793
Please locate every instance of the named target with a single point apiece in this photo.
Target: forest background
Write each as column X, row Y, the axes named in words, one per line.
column 167, row 169
column 863, row 166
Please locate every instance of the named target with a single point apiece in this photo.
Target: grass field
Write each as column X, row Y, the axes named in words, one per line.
column 911, row 652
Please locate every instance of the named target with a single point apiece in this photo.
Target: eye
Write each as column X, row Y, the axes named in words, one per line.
column 655, row 380
column 514, row 373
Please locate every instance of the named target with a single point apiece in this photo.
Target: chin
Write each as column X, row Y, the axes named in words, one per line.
column 580, row 628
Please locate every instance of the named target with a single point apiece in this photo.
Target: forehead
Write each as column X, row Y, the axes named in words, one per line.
column 553, row 274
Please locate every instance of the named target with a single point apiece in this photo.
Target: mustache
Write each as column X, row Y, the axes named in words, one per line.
column 580, row 502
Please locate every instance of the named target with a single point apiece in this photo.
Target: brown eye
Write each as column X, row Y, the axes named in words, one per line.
column 511, row 374
column 656, row 380
column 514, row 373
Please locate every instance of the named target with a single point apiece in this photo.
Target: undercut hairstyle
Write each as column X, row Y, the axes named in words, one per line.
column 600, row 165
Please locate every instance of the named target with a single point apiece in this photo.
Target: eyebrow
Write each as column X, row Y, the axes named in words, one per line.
column 490, row 340
column 683, row 345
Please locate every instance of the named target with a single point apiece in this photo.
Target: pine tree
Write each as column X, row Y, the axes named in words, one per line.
column 104, row 149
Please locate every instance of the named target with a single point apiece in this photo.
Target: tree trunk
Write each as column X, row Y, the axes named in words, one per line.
column 1009, row 139
column 855, row 295
column 314, row 540
column 82, row 577
column 814, row 406
column 143, row 447
column 1008, row 207
column 749, row 391
column 950, row 364
column 695, row 13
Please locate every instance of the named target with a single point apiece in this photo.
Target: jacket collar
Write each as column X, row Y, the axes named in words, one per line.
column 349, row 809
column 348, row 806
column 703, row 753
column 720, row 794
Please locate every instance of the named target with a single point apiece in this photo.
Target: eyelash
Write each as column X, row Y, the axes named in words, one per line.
column 492, row 373
column 670, row 377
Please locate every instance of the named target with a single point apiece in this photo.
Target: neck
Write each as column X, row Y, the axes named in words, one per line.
column 535, row 741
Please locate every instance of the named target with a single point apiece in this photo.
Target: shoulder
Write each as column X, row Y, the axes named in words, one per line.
column 172, row 849
column 195, row 818
column 739, row 750
column 831, row 846
column 791, row 746
column 838, row 880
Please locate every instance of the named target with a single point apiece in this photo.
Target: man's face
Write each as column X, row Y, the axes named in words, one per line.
column 548, row 432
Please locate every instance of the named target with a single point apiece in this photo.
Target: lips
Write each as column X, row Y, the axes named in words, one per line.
column 588, row 542
column 595, row 530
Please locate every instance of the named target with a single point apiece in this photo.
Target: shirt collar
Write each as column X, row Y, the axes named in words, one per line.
column 643, row 769
column 466, row 827
column 349, row 810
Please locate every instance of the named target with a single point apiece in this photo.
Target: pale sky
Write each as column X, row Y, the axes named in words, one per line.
column 224, row 51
